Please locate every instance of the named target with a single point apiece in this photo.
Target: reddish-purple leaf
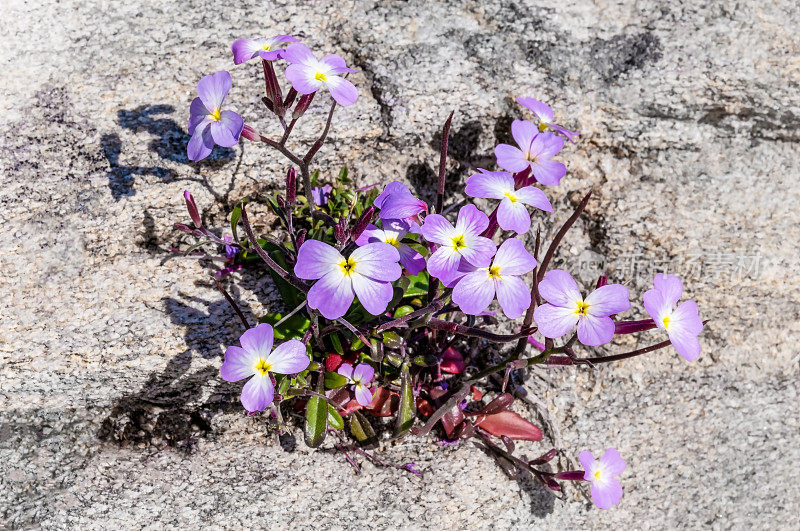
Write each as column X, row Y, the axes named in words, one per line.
column 509, row 424
column 452, row 361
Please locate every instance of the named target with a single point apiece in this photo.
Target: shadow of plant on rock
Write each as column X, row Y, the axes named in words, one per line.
column 170, row 408
column 169, row 140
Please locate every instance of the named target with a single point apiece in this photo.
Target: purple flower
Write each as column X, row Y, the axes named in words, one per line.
column 606, row 489
column 568, row 307
column 359, row 377
column 683, row 324
column 392, row 233
column 254, row 359
column 320, row 194
column 476, row 290
column 208, row 124
column 307, row 74
column 511, row 214
column 368, row 273
column 268, row 48
column 397, row 202
column 535, row 151
column 545, row 115
column 230, row 250
column 462, row 241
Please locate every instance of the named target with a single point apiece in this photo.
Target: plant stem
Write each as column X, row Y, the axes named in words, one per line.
column 560, row 235
column 443, row 163
column 232, row 303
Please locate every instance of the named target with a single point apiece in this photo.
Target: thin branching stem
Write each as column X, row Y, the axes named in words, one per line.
column 560, row 235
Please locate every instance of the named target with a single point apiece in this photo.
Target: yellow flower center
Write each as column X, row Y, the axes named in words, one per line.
column 530, row 157
column 393, row 241
column 494, row 272
column 581, row 308
column 320, row 76
column 266, row 47
column 511, row 196
column 666, row 321
column 263, row 366
column 542, row 127
column 458, row 242
column 347, row 265
column 596, row 474
column 216, row 115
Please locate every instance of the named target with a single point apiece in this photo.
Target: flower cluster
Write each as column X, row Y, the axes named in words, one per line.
column 385, row 293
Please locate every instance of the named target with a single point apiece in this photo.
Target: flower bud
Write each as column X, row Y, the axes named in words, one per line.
column 302, row 105
column 362, row 222
column 340, row 231
column 192, row 207
column 281, row 202
column 183, row 228
column 301, row 237
column 291, row 186
column 289, row 101
column 250, row 134
column 544, row 458
column 571, row 475
column 602, row 281
column 273, row 88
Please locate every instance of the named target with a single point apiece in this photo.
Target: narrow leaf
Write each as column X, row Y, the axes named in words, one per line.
column 316, row 421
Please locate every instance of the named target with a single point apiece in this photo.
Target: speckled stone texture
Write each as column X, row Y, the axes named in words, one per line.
column 112, row 414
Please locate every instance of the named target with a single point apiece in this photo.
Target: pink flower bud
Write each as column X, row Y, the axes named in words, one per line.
column 362, row 222
column 302, row 105
column 340, row 231
column 291, row 186
column 250, row 134
column 192, row 207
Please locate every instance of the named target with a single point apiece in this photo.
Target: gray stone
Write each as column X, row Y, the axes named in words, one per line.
column 112, row 413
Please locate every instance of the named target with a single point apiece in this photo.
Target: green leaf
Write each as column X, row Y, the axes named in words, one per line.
column 418, row 286
column 403, row 310
column 334, row 418
column 360, row 427
column 316, row 421
column 343, row 178
column 408, row 410
column 235, row 216
column 392, row 339
column 337, row 344
column 284, row 385
column 334, row 380
column 356, row 344
column 315, row 178
column 292, row 328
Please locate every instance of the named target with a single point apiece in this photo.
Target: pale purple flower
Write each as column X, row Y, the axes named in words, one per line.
column 567, row 307
column 512, row 213
column 255, row 359
column 462, row 241
column 368, row 272
column 360, row 377
column 545, row 115
column 397, row 202
column 602, row 474
column 208, row 123
column 393, row 232
column 535, row 151
column 320, row 194
column 682, row 324
column 307, row 74
column 268, row 48
column 230, row 250
column 478, row 287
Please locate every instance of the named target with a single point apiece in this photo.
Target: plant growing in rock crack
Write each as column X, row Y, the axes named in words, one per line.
column 387, row 295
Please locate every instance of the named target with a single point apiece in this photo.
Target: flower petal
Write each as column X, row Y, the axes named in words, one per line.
column 299, row 53
column 687, row 316
column 364, row 373
column 401, row 204
column 655, row 306
column 337, row 64
column 606, row 495
column 474, row 292
column 342, row 90
column 513, row 216
column 513, row 295
column 595, row 330
column 566, row 132
column 197, row 113
column 371, row 234
column 391, row 188
column 548, row 172
column 559, row 288
column 608, row 300
column 530, row 195
column 613, row 462
column 201, row 143
column 226, row 131
column 332, row 295
column 213, row 88
column 542, row 111
column 245, row 49
column 587, row 462
column 316, row 259
column 289, row 358
column 546, row 145
column 554, row 321
column 471, row 220
column 258, row 393
column 513, row 259
column 301, row 77
column 346, row 370
column 489, row 184
column 478, row 250
column 670, row 287
column 238, row 364
column 687, row 345
column 363, row 395
column 510, row 158
column 524, row 133
column 437, row 229
column 411, row 259
column 378, row 261
column 443, row 263
column 374, row 295
column 258, row 340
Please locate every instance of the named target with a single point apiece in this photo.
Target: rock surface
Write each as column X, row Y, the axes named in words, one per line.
column 112, row 413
